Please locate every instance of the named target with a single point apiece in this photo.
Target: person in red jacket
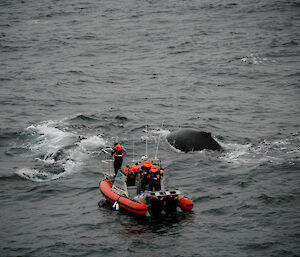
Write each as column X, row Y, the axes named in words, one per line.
column 126, row 170
column 154, row 178
column 144, row 174
column 117, row 153
column 131, row 174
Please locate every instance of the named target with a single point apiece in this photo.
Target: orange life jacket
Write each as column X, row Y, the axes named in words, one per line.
column 132, row 172
column 118, row 147
column 117, row 150
column 146, row 168
column 154, row 172
column 126, row 170
column 147, row 164
column 135, row 168
column 154, row 168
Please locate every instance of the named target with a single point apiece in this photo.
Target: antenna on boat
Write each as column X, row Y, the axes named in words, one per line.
column 146, row 139
column 158, row 142
column 133, row 150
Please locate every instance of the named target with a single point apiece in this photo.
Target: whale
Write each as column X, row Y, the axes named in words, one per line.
column 187, row 140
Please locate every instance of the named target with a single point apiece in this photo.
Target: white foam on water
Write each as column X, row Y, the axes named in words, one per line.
column 50, row 138
column 160, row 132
column 155, row 134
column 256, row 59
column 236, row 152
column 273, row 151
column 72, row 167
column 92, row 143
column 36, row 175
column 54, row 147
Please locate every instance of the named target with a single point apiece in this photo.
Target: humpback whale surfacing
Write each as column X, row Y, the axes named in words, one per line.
column 192, row 140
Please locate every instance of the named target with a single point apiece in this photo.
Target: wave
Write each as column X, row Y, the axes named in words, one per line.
column 37, row 175
column 256, row 59
column 154, row 134
column 82, row 117
column 9, row 177
column 55, row 151
column 276, row 200
column 4, row 135
column 121, row 118
column 273, row 151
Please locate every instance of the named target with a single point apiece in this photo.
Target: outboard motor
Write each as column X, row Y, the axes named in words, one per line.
column 156, row 206
column 156, row 203
column 171, row 200
column 171, row 203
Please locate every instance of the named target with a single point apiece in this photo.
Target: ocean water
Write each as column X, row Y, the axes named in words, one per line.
column 76, row 76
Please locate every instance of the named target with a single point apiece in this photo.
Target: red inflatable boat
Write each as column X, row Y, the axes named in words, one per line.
column 130, row 195
column 131, row 205
column 139, row 188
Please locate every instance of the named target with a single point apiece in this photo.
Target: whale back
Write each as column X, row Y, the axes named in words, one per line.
column 192, row 140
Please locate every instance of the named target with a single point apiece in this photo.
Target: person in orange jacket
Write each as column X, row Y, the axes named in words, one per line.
column 144, row 174
column 127, row 170
column 131, row 174
column 154, row 178
column 117, row 153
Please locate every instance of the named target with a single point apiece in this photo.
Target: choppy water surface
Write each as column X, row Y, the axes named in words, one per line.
column 75, row 76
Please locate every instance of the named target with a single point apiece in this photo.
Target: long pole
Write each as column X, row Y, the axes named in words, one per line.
column 158, row 141
column 146, row 140
column 133, row 150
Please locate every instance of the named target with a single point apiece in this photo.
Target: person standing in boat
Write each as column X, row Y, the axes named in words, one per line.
column 127, row 170
column 144, row 174
column 154, row 178
column 136, row 168
column 131, row 174
column 117, row 153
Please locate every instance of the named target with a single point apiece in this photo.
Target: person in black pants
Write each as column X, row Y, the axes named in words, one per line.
column 117, row 153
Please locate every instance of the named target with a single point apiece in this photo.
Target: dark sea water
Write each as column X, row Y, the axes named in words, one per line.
column 102, row 70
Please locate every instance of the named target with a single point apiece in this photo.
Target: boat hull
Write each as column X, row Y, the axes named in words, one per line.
column 124, row 203
column 186, row 204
